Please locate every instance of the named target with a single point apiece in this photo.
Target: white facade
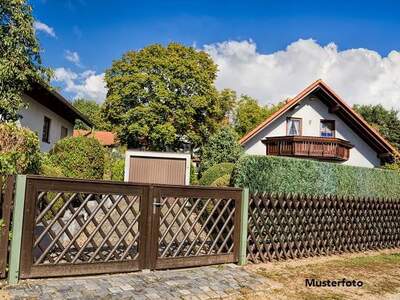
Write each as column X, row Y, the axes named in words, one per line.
column 312, row 111
column 33, row 118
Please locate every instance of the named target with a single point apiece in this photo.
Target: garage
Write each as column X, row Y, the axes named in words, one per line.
column 157, row 167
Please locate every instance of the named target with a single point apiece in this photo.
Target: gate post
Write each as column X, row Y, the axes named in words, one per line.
column 18, row 215
column 243, row 227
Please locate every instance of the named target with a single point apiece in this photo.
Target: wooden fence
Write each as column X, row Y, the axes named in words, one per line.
column 6, row 197
column 292, row 226
column 75, row 227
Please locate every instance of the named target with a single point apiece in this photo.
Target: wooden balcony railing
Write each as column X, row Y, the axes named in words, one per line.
column 308, row 146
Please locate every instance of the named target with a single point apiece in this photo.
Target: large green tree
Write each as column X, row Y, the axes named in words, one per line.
column 20, row 62
column 386, row 121
column 92, row 110
column 160, row 97
column 248, row 114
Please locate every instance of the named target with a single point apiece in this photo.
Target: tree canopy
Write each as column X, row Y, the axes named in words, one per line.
column 20, row 62
column 385, row 121
column 92, row 110
column 248, row 114
column 160, row 97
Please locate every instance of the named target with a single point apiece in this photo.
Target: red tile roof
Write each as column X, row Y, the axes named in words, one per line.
column 106, row 138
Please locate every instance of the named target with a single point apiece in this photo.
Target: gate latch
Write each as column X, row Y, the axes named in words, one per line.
column 157, row 204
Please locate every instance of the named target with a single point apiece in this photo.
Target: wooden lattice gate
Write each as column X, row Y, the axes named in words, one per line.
column 75, row 227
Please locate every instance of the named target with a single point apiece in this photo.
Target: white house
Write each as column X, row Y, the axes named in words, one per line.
column 318, row 124
column 50, row 115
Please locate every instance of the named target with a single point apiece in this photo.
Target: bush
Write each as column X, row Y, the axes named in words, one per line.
column 79, row 157
column 222, row 181
column 216, row 172
column 19, row 150
column 222, row 147
column 193, row 175
column 281, row 174
column 114, row 164
column 48, row 168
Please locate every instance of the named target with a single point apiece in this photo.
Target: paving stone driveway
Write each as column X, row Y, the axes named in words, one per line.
column 214, row 282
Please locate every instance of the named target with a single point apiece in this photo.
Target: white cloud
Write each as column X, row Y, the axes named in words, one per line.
column 73, row 57
column 87, row 84
column 359, row 76
column 39, row 26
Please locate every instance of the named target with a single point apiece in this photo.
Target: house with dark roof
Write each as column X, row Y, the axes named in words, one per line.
column 49, row 114
column 318, row 124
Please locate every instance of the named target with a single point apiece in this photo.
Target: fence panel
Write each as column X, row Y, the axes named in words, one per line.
column 6, row 197
column 195, row 226
column 74, row 227
column 293, row 226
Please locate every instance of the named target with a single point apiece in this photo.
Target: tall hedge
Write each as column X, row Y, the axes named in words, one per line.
column 281, row 174
column 79, row 157
column 19, row 150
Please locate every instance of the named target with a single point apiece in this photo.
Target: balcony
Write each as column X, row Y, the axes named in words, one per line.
column 308, row 147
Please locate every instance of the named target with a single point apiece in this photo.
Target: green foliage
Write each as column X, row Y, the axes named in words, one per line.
column 395, row 166
column 20, row 62
column 92, row 110
column 193, row 176
column 160, row 97
column 19, row 150
column 79, row 157
column 222, row 181
column 248, row 114
column 215, row 172
column 223, row 146
column 385, row 121
column 290, row 175
column 114, row 164
column 48, row 168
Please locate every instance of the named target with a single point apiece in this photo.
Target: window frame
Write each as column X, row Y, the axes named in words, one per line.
column 46, row 130
column 300, row 127
column 61, row 133
column 333, row 130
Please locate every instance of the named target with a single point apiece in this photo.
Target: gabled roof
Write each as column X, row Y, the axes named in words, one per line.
column 338, row 106
column 54, row 101
column 106, row 138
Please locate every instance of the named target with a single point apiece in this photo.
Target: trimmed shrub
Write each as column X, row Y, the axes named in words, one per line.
column 193, row 175
column 291, row 175
column 222, row 147
column 79, row 157
column 216, row 172
column 118, row 169
column 19, row 150
column 114, row 164
column 222, row 181
column 48, row 168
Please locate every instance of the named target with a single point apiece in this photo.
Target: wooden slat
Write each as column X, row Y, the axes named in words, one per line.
column 297, row 226
column 6, row 198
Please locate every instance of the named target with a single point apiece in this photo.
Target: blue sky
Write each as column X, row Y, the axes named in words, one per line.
column 100, row 31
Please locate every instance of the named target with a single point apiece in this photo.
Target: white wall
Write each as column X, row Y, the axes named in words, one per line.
column 33, row 119
column 312, row 111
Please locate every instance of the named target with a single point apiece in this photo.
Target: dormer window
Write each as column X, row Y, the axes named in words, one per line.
column 327, row 128
column 293, row 126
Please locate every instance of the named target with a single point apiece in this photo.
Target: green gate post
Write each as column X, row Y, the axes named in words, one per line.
column 18, row 215
column 243, row 227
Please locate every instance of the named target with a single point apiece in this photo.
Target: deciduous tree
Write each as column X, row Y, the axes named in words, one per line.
column 20, row 62
column 160, row 97
column 92, row 110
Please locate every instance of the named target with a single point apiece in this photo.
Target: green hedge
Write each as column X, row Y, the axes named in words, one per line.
column 290, row 175
column 216, row 172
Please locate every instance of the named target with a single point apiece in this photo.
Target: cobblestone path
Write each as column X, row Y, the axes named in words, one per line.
column 214, row 282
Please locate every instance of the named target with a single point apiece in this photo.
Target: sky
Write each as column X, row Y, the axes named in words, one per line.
column 269, row 50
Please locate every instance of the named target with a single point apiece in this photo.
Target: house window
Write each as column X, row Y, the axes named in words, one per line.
column 46, row 130
column 293, row 126
column 327, row 128
column 64, row 132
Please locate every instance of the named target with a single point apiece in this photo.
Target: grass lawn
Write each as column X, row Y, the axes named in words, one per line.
column 379, row 272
